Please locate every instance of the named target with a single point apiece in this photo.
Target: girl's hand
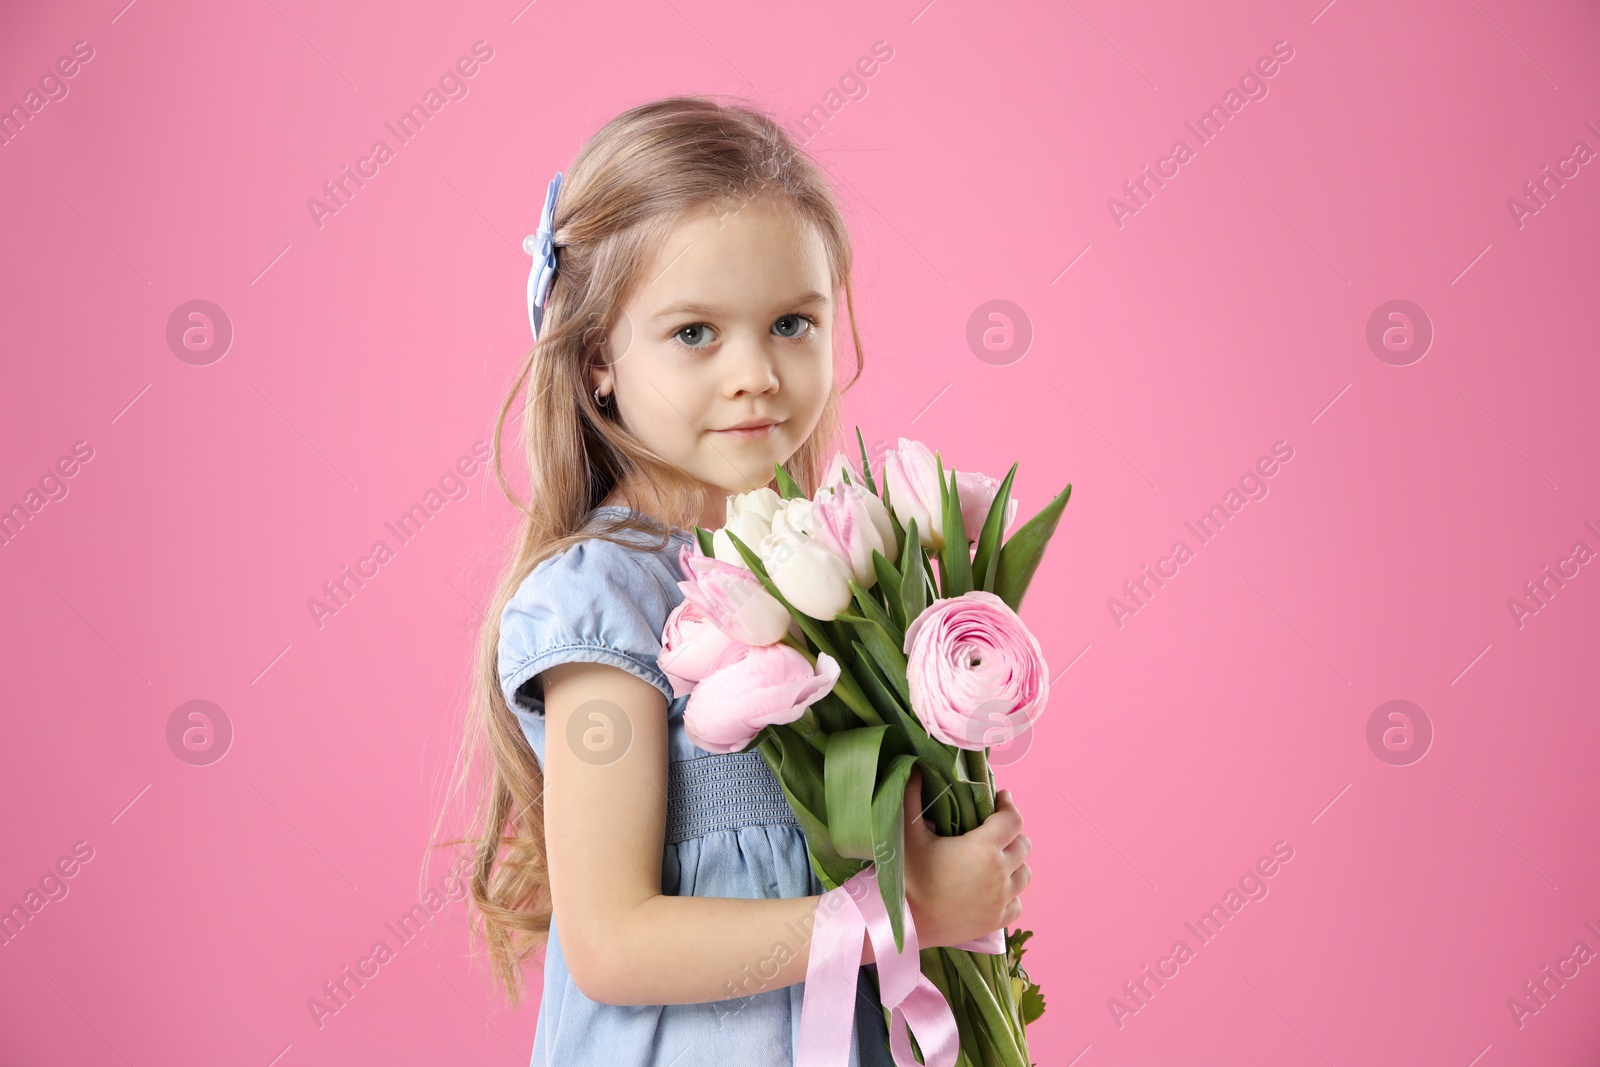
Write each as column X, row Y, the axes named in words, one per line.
column 960, row 888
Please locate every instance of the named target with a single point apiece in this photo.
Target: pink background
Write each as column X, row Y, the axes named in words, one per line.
column 1168, row 354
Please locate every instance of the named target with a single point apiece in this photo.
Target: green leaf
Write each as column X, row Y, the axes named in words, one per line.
column 913, row 588
column 1020, row 556
column 795, row 765
column 704, row 538
column 878, row 633
column 988, row 556
column 787, row 487
column 882, row 655
column 800, row 768
column 866, row 464
column 850, row 776
column 942, row 758
column 833, row 713
column 955, row 559
column 849, row 691
column 871, row 609
column 894, row 520
column 877, row 691
column 1031, row 1003
column 889, row 843
column 889, row 582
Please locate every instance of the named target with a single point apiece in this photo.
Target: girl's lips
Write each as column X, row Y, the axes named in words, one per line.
column 754, row 434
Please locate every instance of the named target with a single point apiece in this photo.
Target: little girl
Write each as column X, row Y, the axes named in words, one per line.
column 684, row 300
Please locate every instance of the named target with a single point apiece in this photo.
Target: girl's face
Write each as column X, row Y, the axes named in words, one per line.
column 732, row 324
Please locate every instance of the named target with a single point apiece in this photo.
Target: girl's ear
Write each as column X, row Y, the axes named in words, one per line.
column 601, row 379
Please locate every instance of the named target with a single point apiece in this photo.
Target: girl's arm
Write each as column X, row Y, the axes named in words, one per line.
column 605, row 807
column 605, row 818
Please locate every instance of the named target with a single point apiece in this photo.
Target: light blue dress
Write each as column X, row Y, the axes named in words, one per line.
column 729, row 830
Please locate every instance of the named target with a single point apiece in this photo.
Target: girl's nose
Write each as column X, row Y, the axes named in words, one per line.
column 752, row 369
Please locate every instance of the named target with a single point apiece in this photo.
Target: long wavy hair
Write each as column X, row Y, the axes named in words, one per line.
column 635, row 179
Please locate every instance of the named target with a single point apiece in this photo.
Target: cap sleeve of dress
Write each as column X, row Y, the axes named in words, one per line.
column 593, row 602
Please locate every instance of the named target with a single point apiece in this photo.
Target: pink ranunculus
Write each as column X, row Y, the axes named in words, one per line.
column 749, row 688
column 976, row 673
column 690, row 644
column 732, row 598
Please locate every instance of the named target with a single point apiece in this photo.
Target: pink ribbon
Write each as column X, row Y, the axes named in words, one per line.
column 827, row 1011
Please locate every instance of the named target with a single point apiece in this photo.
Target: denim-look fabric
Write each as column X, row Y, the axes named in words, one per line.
column 729, row 831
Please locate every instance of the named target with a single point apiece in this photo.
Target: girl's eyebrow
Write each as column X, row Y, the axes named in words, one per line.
column 692, row 307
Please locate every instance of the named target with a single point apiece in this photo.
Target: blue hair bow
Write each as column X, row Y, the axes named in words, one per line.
column 541, row 246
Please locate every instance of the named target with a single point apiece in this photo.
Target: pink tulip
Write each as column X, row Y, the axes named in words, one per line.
column 976, row 673
column 749, row 688
column 851, row 523
column 838, row 466
column 912, row 476
column 732, row 598
column 977, row 493
column 912, row 473
column 690, row 644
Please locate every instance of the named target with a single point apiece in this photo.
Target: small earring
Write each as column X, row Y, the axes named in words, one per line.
column 599, row 403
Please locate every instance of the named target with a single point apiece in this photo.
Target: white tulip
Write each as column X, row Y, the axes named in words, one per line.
column 813, row 579
column 749, row 519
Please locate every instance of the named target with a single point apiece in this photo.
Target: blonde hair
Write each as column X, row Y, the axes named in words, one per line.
column 634, row 180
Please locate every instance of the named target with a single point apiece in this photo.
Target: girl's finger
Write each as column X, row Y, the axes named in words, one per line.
column 1004, row 799
column 1004, row 825
column 1017, row 851
column 1020, row 879
column 916, row 821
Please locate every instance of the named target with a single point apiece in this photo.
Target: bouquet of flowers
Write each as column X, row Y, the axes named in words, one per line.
column 816, row 631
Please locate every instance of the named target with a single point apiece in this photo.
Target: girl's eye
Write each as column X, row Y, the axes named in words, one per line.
column 788, row 323
column 699, row 334
column 692, row 335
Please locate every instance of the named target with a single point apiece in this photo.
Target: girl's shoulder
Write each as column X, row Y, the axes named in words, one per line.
column 597, row 567
column 595, row 600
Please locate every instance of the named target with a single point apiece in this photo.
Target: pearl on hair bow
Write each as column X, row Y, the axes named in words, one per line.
column 541, row 246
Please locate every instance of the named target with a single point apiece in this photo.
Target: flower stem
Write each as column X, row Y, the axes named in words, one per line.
column 977, row 766
column 983, row 997
column 943, row 979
